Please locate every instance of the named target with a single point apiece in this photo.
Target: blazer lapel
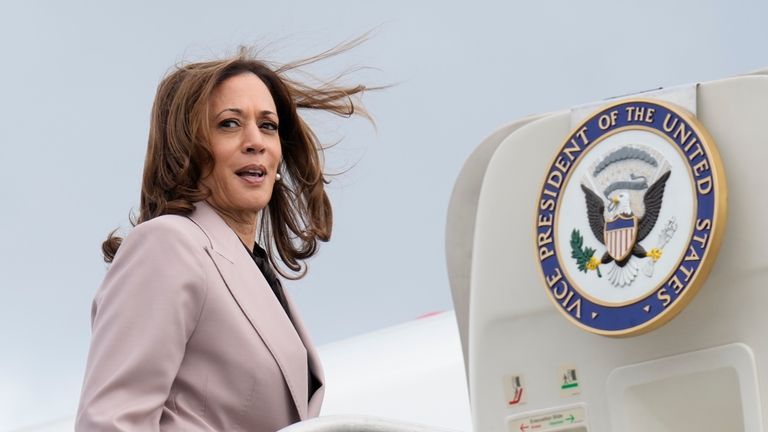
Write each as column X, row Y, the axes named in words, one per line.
column 257, row 301
column 315, row 366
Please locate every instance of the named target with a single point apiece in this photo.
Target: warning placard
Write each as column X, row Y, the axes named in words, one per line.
column 570, row 419
column 514, row 390
column 568, row 381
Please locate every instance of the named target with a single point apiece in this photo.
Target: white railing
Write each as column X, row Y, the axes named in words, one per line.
column 349, row 423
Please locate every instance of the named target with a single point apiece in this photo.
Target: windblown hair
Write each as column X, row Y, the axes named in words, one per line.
column 178, row 155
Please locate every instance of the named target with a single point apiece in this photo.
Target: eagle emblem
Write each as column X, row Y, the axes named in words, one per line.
column 637, row 178
column 611, row 217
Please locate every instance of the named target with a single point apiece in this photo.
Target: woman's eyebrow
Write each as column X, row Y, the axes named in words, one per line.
column 240, row 112
column 234, row 110
column 268, row 113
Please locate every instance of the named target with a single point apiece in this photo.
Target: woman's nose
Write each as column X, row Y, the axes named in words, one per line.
column 253, row 141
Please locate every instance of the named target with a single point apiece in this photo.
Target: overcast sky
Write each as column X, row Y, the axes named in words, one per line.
column 76, row 86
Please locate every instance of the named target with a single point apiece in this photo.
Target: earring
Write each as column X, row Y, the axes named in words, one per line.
column 278, row 177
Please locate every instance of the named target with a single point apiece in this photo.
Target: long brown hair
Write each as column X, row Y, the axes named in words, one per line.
column 178, row 156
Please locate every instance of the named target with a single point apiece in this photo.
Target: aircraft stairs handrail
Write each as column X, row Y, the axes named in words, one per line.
column 358, row 423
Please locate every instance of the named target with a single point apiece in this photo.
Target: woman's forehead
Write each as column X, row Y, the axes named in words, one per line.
column 244, row 91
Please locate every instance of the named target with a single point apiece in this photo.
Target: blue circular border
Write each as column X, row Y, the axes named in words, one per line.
column 627, row 317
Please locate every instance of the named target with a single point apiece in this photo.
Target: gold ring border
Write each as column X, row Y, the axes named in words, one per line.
column 719, row 222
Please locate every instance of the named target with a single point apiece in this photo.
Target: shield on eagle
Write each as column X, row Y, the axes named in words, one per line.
column 619, row 236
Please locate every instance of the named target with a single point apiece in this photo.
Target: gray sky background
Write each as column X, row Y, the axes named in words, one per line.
column 76, row 86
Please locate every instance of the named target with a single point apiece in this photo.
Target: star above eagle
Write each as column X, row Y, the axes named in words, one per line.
column 636, row 229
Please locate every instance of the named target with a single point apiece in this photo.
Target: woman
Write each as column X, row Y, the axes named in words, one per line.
column 191, row 330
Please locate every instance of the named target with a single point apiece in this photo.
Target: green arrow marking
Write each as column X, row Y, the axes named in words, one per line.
column 570, row 418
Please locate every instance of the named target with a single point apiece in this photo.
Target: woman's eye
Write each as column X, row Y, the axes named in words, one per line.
column 229, row 124
column 269, row 126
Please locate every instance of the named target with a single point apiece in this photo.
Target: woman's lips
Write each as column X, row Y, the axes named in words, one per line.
column 252, row 174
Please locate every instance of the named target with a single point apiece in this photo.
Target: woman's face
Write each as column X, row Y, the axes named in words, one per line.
column 245, row 145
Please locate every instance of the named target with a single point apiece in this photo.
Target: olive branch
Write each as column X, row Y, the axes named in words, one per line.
column 583, row 255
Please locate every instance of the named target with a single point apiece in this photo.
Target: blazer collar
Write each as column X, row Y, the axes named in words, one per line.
column 223, row 239
column 257, row 301
column 313, row 358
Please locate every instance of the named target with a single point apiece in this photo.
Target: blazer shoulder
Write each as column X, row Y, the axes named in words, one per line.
column 169, row 228
column 165, row 246
column 168, row 240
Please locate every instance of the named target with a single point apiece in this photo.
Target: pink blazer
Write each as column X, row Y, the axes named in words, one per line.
column 188, row 336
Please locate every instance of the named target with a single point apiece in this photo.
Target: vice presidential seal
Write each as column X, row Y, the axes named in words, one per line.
column 630, row 217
